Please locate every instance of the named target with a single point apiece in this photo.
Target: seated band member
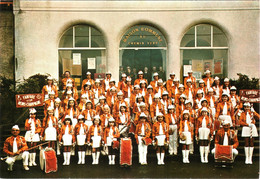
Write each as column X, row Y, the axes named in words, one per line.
column 15, row 147
column 227, row 137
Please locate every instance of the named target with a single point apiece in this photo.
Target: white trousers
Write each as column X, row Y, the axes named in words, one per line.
column 22, row 156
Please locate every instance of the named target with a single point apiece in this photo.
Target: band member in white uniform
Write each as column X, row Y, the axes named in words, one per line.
column 81, row 131
column 249, row 130
column 172, row 120
column 33, row 129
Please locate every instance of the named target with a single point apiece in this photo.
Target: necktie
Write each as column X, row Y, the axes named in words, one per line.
column 176, row 90
column 95, row 131
column 15, row 149
column 83, row 108
column 157, row 109
column 71, row 113
column 56, row 113
column 111, row 132
column 208, row 84
column 142, row 129
column 217, row 91
column 129, row 92
column 32, row 126
column 225, row 141
column 211, row 102
column 173, row 120
column 190, row 94
column 96, row 93
column 143, row 92
column 233, row 100
column 150, row 99
column 112, row 100
column 248, row 118
column 186, row 129
column 122, row 118
column 52, row 104
column 50, row 123
column 159, row 91
column 225, row 109
column 88, row 116
column 67, row 130
column 81, row 130
column 203, row 122
column 155, row 83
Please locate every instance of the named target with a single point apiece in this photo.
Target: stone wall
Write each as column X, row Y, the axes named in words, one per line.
column 7, row 44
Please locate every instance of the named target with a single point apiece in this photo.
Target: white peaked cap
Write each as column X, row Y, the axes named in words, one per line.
column 142, row 115
column 16, row 127
column 80, row 116
column 32, row 110
column 57, row 100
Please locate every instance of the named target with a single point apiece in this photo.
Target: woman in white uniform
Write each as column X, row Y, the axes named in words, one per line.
column 67, row 139
column 94, row 138
column 81, row 131
column 49, row 128
column 186, row 135
column 33, row 129
column 249, row 130
column 111, row 134
column 173, row 122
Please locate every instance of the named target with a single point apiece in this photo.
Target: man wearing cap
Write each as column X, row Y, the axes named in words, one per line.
column 192, row 78
column 227, row 137
column 217, row 88
column 121, row 84
column 48, row 88
column 49, row 102
column 174, row 89
column 118, row 102
column 128, row 89
column 169, row 83
column 160, row 88
column 208, row 80
column 155, row 80
column 140, row 78
column 189, row 90
column 105, row 82
column 148, row 98
column 67, row 79
column 87, row 79
column 147, row 74
column 33, row 129
column 156, row 107
column 15, row 147
column 142, row 132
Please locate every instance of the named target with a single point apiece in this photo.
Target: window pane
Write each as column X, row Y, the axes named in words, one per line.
column 81, row 36
column 97, row 39
column 188, row 39
column 203, row 35
column 67, row 39
column 219, row 38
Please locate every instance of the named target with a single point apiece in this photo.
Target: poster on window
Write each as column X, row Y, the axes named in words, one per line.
column 218, row 66
column 186, row 68
column 197, row 65
column 76, row 58
column 91, row 63
column 208, row 65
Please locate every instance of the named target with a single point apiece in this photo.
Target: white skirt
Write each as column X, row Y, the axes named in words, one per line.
column 204, row 133
column 160, row 140
column 81, row 139
column 67, row 140
column 96, row 141
column 246, row 131
column 88, row 123
column 50, row 134
column 188, row 138
column 31, row 137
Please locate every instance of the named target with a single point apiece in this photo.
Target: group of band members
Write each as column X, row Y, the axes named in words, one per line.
column 164, row 114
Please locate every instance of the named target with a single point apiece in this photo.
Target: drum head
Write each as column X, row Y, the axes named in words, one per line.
column 42, row 159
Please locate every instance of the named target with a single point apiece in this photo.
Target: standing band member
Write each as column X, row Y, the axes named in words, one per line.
column 33, row 129
column 143, row 132
column 249, row 131
column 81, row 131
column 160, row 133
column 15, row 147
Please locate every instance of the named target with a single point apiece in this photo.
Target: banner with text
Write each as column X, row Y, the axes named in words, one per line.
column 28, row 100
column 252, row 95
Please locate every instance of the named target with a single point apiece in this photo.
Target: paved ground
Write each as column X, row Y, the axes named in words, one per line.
column 173, row 168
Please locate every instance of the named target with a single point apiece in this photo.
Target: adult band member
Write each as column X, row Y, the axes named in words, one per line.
column 15, row 147
column 249, row 131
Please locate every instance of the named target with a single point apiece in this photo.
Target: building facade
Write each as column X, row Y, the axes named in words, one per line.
column 99, row 36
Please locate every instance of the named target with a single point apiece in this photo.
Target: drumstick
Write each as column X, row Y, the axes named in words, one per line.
column 29, row 149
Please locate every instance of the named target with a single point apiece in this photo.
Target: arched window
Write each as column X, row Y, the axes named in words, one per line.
column 205, row 47
column 81, row 49
column 143, row 47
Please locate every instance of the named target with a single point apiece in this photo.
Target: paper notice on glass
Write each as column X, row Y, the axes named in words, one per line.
column 186, row 68
column 218, row 66
column 91, row 63
column 197, row 65
column 76, row 58
column 208, row 65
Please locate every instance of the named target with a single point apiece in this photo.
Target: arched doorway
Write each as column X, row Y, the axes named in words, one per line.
column 141, row 47
column 81, row 49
